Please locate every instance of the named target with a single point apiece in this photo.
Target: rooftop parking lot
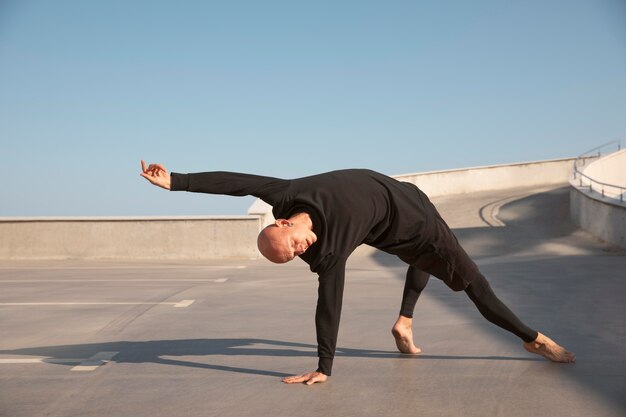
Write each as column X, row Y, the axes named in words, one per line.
column 117, row 339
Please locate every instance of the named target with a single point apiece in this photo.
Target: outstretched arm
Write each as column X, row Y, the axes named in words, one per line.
column 269, row 189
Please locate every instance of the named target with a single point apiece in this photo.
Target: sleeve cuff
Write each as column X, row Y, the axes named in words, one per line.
column 325, row 366
column 179, row 182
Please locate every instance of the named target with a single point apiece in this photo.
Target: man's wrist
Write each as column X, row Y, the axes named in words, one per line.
column 179, row 182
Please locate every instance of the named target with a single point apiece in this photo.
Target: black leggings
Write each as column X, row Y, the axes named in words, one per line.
column 479, row 291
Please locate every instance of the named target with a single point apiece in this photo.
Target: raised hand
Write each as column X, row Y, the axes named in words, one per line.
column 309, row 379
column 156, row 174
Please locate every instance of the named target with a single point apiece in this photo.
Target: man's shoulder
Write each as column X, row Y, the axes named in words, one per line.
column 342, row 176
column 328, row 265
column 357, row 171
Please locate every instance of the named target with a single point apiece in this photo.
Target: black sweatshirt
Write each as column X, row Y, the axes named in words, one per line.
column 348, row 208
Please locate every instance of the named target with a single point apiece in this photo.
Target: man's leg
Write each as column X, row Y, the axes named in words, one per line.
column 402, row 330
column 450, row 263
column 494, row 310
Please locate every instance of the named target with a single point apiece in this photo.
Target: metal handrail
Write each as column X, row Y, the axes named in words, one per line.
column 594, row 154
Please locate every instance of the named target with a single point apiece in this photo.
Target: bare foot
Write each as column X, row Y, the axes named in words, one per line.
column 403, row 333
column 548, row 348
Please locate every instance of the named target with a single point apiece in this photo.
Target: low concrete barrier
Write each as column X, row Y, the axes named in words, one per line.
column 602, row 217
column 595, row 205
column 200, row 237
column 212, row 237
column 467, row 180
column 493, row 177
column 610, row 169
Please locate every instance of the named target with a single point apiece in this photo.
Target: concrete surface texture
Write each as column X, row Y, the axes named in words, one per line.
column 199, row 237
column 601, row 208
column 610, row 169
column 217, row 237
column 214, row 338
column 491, row 178
column 470, row 180
column 601, row 216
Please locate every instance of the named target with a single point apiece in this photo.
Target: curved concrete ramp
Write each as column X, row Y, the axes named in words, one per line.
column 251, row 322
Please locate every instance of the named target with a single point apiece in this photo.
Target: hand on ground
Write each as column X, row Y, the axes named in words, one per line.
column 309, row 379
column 156, row 174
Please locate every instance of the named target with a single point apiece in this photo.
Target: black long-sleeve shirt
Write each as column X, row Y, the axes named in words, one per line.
column 348, row 208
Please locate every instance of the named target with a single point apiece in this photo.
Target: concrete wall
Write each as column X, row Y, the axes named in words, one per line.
column 467, row 180
column 211, row 237
column 602, row 217
column 203, row 237
column 610, row 169
column 494, row 177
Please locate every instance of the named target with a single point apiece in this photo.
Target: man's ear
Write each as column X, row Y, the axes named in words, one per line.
column 283, row 223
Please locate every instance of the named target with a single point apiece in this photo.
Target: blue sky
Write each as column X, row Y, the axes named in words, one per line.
column 292, row 88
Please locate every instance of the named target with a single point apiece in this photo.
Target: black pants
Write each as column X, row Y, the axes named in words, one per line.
column 479, row 291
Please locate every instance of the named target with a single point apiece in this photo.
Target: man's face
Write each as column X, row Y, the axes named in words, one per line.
column 284, row 240
column 298, row 238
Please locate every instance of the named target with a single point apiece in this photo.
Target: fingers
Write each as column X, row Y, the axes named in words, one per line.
column 149, row 177
column 157, row 169
column 153, row 169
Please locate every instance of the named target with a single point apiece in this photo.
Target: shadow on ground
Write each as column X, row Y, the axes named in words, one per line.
column 153, row 351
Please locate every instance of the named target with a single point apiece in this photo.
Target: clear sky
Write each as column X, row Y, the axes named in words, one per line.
column 291, row 88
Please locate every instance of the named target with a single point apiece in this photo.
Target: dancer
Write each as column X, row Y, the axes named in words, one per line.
column 323, row 218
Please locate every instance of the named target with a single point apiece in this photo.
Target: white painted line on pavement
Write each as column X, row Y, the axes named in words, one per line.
column 126, row 267
column 220, row 280
column 37, row 360
column 183, row 303
column 30, row 360
column 94, row 362
column 490, row 212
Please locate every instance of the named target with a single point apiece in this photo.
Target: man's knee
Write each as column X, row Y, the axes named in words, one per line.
column 479, row 288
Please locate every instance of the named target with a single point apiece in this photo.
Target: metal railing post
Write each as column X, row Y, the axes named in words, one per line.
column 597, row 153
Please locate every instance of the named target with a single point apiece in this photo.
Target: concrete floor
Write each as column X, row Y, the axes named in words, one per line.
column 251, row 323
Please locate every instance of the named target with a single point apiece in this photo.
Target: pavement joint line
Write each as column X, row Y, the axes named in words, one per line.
column 182, row 303
column 94, row 362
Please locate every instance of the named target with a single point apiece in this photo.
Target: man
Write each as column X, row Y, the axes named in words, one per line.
column 323, row 218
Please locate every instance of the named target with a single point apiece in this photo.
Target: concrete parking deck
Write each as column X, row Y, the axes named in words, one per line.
column 199, row 339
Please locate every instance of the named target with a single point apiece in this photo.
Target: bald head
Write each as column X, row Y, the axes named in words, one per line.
column 283, row 240
column 271, row 244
